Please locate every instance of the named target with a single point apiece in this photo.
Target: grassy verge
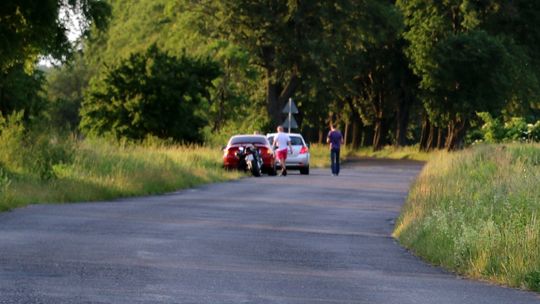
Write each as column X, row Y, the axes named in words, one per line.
column 408, row 152
column 476, row 212
column 97, row 170
column 320, row 155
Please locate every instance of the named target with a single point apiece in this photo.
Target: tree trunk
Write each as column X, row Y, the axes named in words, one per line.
column 356, row 137
column 440, row 136
column 377, row 135
column 456, row 133
column 426, row 126
column 356, row 125
column 272, row 101
column 378, row 125
column 431, row 138
column 346, row 134
column 402, row 121
column 321, row 133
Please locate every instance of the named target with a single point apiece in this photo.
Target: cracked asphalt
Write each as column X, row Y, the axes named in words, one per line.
column 293, row 239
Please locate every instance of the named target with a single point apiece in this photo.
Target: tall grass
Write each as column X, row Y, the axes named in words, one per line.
column 393, row 152
column 38, row 167
column 476, row 212
column 320, row 154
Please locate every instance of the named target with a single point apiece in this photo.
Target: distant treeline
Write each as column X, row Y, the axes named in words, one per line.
column 386, row 72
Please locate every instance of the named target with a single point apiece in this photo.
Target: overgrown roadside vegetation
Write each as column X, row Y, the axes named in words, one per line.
column 40, row 167
column 476, row 212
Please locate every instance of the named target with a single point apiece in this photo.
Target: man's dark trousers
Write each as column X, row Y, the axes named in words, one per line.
column 334, row 160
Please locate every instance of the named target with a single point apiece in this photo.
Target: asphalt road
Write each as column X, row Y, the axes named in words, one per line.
column 295, row 239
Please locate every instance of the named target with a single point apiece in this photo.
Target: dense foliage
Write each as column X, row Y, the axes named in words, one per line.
column 150, row 94
column 385, row 72
column 465, row 63
column 33, row 29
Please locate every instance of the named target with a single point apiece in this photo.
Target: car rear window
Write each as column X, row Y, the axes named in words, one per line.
column 295, row 140
column 248, row 140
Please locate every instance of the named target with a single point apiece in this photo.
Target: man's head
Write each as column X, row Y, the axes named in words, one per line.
column 280, row 128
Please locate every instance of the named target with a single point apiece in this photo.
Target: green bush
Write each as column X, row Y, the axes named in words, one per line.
column 47, row 150
column 516, row 129
column 34, row 151
column 533, row 131
column 12, row 136
column 493, row 130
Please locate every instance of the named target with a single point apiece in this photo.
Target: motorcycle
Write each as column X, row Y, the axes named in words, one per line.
column 249, row 159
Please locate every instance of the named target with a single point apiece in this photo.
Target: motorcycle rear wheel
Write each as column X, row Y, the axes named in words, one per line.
column 255, row 168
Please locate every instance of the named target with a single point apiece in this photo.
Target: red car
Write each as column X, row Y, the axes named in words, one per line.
column 230, row 160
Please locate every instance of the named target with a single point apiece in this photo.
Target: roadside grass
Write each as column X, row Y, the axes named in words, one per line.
column 97, row 169
column 320, row 154
column 476, row 212
column 393, row 152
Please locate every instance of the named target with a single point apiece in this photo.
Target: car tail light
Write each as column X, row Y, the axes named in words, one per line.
column 230, row 152
column 265, row 151
column 304, row 150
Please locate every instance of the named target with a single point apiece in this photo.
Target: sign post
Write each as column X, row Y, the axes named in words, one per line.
column 290, row 109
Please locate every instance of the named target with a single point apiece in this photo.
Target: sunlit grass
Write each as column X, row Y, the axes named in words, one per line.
column 102, row 170
column 476, row 212
column 320, row 154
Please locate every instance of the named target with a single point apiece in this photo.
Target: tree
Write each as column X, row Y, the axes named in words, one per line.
column 65, row 91
column 20, row 91
column 287, row 39
column 376, row 73
column 31, row 28
column 179, row 27
column 150, row 94
column 462, row 66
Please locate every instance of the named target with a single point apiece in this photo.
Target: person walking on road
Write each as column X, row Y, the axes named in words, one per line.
column 282, row 141
column 335, row 139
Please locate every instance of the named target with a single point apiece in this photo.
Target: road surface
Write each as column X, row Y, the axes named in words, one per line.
column 294, row 239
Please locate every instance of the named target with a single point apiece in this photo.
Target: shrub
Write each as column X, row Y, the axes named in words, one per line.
column 12, row 134
column 32, row 150
column 492, row 129
column 516, row 129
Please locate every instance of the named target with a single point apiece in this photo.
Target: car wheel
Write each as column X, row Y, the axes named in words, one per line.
column 272, row 171
column 304, row 171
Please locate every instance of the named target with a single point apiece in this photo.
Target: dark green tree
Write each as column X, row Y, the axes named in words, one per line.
column 464, row 64
column 31, row 28
column 179, row 27
column 21, row 91
column 287, row 39
column 150, row 94
column 65, row 91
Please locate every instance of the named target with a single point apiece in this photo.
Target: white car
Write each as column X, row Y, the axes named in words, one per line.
column 299, row 158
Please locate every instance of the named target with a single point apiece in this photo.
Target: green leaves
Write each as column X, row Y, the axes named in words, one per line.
column 32, row 28
column 467, row 57
column 150, row 94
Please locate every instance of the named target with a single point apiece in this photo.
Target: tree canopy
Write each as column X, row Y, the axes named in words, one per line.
column 150, row 94
column 386, row 72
